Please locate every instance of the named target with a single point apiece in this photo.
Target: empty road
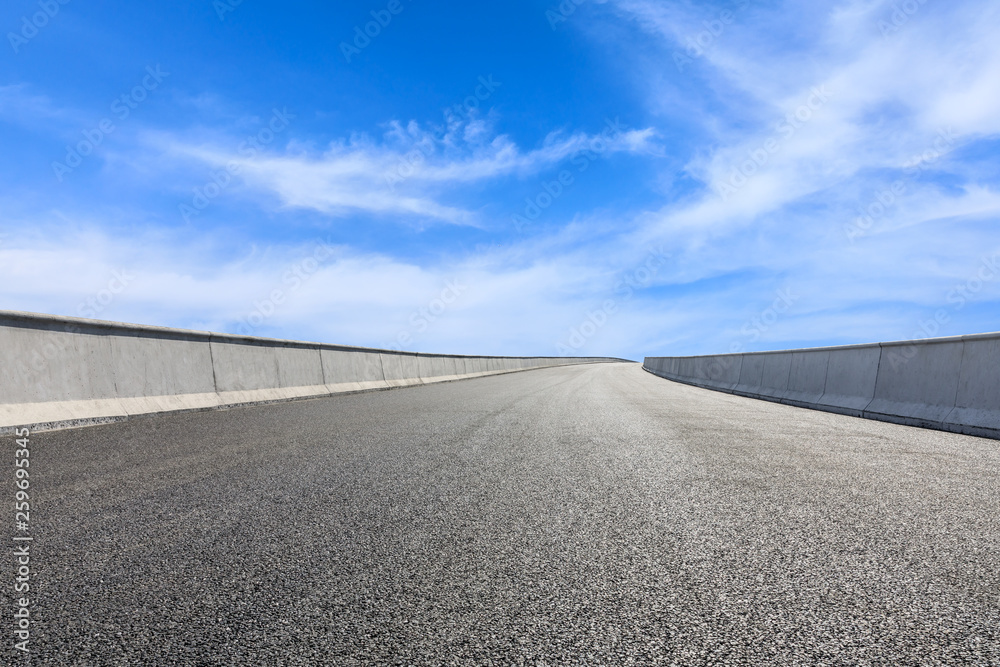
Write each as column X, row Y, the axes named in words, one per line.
column 579, row 515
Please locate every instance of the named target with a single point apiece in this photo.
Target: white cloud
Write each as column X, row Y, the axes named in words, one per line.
column 20, row 105
column 510, row 300
column 889, row 97
column 414, row 170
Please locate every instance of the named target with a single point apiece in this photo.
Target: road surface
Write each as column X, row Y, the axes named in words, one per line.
column 581, row 515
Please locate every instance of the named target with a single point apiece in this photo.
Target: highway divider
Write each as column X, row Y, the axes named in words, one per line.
column 60, row 372
column 950, row 384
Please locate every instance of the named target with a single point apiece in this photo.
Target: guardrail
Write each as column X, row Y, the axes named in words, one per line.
column 61, row 371
column 951, row 384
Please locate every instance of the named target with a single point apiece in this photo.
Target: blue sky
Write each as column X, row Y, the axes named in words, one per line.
column 622, row 178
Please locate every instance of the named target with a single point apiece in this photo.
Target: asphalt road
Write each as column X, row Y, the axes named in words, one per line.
column 582, row 515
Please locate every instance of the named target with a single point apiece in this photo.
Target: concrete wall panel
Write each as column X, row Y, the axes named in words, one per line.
column 918, row 382
column 438, row 368
column 163, row 374
column 751, row 373
column 299, row 367
column 774, row 378
column 977, row 404
column 363, row 370
column 687, row 368
column 54, row 364
column 161, row 366
column 244, row 367
column 429, row 368
column 401, row 369
column 850, row 379
column 807, row 376
column 723, row 371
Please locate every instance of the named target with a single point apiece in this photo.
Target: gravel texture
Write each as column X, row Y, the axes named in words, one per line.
column 591, row 515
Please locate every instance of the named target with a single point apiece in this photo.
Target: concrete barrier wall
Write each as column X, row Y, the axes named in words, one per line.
column 807, row 377
column 774, row 378
column 952, row 384
column 850, row 379
column 160, row 374
column 722, row 372
column 976, row 402
column 243, row 366
column 918, row 383
column 751, row 373
column 400, row 370
column 352, row 370
column 59, row 371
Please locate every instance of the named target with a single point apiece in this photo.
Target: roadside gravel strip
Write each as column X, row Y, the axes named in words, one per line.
column 579, row 515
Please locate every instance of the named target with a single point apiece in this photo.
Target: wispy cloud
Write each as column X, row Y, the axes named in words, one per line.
column 412, row 169
column 869, row 107
column 808, row 113
column 20, row 105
